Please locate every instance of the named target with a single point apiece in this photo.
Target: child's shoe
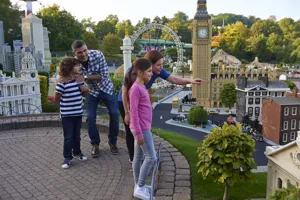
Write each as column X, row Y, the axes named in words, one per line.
column 66, row 164
column 80, row 157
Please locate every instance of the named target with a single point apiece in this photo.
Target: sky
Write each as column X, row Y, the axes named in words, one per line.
column 138, row 9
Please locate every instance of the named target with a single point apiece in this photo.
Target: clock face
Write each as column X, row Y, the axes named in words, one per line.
column 202, row 32
column 32, row 75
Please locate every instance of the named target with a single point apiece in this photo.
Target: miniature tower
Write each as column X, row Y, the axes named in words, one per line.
column 127, row 48
column 1, row 42
column 33, row 33
column 201, row 41
column 28, row 6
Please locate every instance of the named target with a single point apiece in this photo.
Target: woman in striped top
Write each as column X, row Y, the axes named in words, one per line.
column 69, row 94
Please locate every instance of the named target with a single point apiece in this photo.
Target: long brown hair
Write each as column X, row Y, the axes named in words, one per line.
column 141, row 64
column 153, row 56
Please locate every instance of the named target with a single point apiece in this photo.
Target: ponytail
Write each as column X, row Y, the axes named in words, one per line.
column 128, row 79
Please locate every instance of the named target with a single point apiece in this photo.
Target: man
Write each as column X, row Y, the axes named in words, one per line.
column 95, row 74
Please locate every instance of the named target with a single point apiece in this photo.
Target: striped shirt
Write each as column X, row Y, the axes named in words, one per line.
column 71, row 98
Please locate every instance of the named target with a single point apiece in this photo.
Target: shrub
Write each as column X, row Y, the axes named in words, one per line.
column 197, row 113
column 1, row 66
column 290, row 193
column 8, row 72
column 43, row 89
column 50, row 107
column 46, row 74
column 226, row 155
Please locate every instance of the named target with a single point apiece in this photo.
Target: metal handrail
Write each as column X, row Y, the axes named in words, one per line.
column 155, row 168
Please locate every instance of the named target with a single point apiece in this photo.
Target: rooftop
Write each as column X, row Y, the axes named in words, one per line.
column 287, row 100
column 261, row 83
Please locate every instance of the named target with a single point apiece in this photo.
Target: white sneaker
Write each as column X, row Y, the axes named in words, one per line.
column 66, row 164
column 147, row 186
column 141, row 193
column 80, row 157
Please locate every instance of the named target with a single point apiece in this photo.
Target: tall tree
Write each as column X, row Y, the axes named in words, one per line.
column 111, row 44
column 63, row 27
column 265, row 27
column 121, row 26
column 91, row 40
column 11, row 17
column 103, row 28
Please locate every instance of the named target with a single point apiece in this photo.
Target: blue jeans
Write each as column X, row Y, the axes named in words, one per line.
column 146, row 151
column 71, row 127
column 91, row 107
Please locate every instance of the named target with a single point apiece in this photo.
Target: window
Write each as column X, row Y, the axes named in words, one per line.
column 250, row 101
column 250, row 111
column 279, row 183
column 33, row 89
column 284, row 138
column 250, row 93
column 283, row 94
column 294, row 110
column 257, row 101
column 293, row 124
column 257, row 93
column 257, row 109
column 275, row 94
column 285, row 125
column 286, row 111
column 265, row 93
column 292, row 136
column 279, row 94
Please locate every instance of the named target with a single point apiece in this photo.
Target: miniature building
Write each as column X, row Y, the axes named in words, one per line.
column 281, row 119
column 249, row 95
column 283, row 166
column 21, row 95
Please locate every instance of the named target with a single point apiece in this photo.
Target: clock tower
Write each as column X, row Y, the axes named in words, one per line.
column 201, row 41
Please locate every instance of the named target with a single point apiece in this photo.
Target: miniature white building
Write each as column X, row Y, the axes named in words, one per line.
column 21, row 95
column 283, row 166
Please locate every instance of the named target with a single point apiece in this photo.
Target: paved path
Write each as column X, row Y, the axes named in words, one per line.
column 31, row 159
column 30, row 168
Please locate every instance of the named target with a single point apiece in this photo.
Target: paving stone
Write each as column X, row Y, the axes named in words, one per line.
column 164, row 192
column 182, row 177
column 182, row 190
column 181, row 196
column 183, row 183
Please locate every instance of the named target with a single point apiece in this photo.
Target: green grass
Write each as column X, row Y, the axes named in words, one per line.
column 207, row 189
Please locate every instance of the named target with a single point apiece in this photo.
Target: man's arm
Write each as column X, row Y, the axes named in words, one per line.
column 183, row 81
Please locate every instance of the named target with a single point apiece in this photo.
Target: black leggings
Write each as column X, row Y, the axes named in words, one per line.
column 129, row 135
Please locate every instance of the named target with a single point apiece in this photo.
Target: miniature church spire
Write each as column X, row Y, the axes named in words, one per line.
column 201, row 10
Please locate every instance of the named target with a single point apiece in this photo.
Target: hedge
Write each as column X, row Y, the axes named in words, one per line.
column 50, row 107
column 43, row 89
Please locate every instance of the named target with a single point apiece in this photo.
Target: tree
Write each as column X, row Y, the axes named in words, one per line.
column 228, row 94
column 121, row 26
column 265, row 27
column 226, row 155
column 197, row 113
column 111, row 44
column 91, row 40
column 290, row 84
column 63, row 27
column 11, row 17
column 103, row 28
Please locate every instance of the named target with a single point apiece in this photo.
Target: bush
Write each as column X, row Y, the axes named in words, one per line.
column 1, row 66
column 290, row 193
column 43, row 88
column 50, row 107
column 52, row 69
column 46, row 74
column 8, row 72
column 197, row 113
column 117, row 83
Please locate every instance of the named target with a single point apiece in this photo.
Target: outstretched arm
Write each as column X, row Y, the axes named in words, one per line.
column 183, row 81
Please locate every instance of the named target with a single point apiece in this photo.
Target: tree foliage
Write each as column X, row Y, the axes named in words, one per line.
column 289, row 193
column 63, row 27
column 290, row 84
column 228, row 94
column 197, row 113
column 11, row 17
column 226, row 155
column 91, row 40
column 111, row 44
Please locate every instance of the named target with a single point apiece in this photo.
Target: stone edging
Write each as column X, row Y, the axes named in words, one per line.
column 174, row 182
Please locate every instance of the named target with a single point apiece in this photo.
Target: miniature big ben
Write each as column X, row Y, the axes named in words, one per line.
column 201, row 41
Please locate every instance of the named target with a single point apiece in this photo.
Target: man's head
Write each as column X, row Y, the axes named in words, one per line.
column 80, row 50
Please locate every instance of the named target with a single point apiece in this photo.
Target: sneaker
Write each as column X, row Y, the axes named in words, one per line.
column 147, row 186
column 141, row 193
column 113, row 148
column 80, row 157
column 95, row 151
column 66, row 164
column 130, row 161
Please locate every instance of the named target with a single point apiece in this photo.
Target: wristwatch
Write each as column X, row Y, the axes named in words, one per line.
column 85, row 76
